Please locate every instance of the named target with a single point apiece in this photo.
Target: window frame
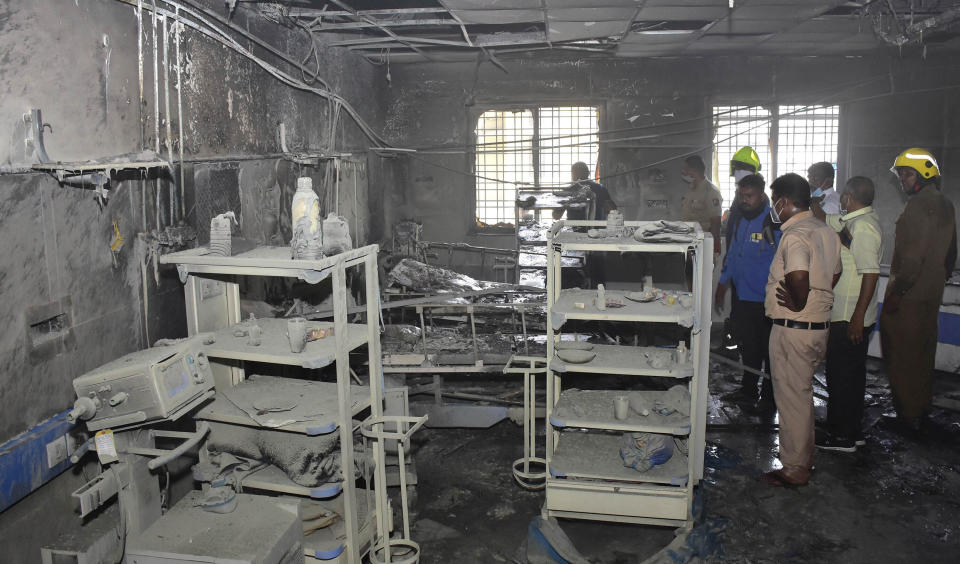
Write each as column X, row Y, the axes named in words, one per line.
column 770, row 171
column 473, row 117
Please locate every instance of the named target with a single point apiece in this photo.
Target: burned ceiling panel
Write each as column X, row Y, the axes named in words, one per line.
column 418, row 30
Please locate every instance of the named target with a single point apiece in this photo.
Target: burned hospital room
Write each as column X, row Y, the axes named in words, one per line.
column 479, row 281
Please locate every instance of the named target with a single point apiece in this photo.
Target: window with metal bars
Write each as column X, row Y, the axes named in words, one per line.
column 790, row 140
column 529, row 149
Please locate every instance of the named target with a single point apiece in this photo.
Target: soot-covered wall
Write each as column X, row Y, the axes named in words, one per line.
column 78, row 63
column 887, row 104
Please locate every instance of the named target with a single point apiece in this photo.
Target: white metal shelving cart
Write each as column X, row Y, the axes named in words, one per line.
column 213, row 305
column 586, row 478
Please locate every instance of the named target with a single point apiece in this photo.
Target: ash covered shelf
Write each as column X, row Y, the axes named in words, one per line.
column 273, row 479
column 577, row 241
column 596, row 456
column 565, row 309
column 586, row 478
column 275, row 348
column 260, row 529
column 263, row 261
column 625, row 360
column 593, row 409
column 316, row 410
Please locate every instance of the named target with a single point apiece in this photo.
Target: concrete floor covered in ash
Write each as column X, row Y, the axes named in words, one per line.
column 895, row 500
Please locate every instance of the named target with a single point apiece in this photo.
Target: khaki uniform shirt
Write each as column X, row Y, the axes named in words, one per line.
column 702, row 203
column 861, row 249
column 807, row 244
column 924, row 248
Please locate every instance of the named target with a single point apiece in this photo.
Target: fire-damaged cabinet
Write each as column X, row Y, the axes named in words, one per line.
column 304, row 424
column 631, row 455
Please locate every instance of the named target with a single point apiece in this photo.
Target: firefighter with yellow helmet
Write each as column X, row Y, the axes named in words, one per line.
column 924, row 254
column 745, row 162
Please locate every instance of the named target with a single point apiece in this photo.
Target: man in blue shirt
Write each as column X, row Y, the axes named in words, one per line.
column 750, row 248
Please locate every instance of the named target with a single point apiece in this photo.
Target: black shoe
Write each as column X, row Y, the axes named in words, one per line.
column 826, row 441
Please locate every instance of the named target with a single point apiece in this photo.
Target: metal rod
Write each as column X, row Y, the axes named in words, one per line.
column 156, row 104
column 183, row 205
column 735, row 364
column 473, row 332
column 172, row 194
column 143, row 183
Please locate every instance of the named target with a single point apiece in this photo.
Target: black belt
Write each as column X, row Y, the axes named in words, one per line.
column 801, row 324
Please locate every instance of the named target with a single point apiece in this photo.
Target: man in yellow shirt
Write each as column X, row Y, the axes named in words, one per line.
column 853, row 315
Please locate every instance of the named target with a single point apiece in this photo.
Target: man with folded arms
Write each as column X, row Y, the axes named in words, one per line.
column 799, row 297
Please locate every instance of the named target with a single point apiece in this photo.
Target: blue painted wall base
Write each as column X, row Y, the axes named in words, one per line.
column 23, row 459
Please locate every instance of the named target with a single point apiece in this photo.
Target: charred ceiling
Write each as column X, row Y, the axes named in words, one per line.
column 450, row 30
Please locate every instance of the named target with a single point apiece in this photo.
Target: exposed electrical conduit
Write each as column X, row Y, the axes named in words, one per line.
column 183, row 208
column 156, row 103
column 224, row 21
column 219, row 35
column 913, row 33
column 143, row 141
column 212, row 32
column 172, row 194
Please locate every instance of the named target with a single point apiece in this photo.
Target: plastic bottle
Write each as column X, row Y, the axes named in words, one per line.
column 307, row 242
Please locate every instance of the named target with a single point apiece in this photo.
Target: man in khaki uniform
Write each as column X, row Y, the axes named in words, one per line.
column 702, row 202
column 799, row 296
column 924, row 254
column 854, row 312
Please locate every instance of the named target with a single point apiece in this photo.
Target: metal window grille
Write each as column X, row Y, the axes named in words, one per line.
column 531, row 148
column 806, row 135
column 567, row 135
column 733, row 128
column 504, row 157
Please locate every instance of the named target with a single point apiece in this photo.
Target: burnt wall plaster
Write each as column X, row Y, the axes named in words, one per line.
column 56, row 239
column 437, row 105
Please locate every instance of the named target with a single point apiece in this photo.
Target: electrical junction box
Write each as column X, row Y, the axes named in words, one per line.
column 160, row 383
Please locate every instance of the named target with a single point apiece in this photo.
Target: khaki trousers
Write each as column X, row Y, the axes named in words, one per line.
column 794, row 357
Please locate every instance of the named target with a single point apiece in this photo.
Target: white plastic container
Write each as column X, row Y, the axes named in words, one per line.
column 336, row 235
column 307, row 242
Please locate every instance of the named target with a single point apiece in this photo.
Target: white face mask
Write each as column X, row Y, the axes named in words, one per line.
column 774, row 214
column 741, row 174
column 686, row 178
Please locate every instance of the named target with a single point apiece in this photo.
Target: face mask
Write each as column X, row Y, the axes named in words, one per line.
column 741, row 174
column 774, row 214
column 686, row 178
column 816, row 193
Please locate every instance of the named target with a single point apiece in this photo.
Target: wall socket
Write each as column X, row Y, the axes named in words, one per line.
column 57, row 451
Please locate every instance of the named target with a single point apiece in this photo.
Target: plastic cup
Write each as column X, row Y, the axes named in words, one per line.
column 297, row 334
column 621, row 407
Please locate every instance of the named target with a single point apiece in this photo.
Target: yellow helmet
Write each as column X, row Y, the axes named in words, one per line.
column 746, row 155
column 921, row 160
